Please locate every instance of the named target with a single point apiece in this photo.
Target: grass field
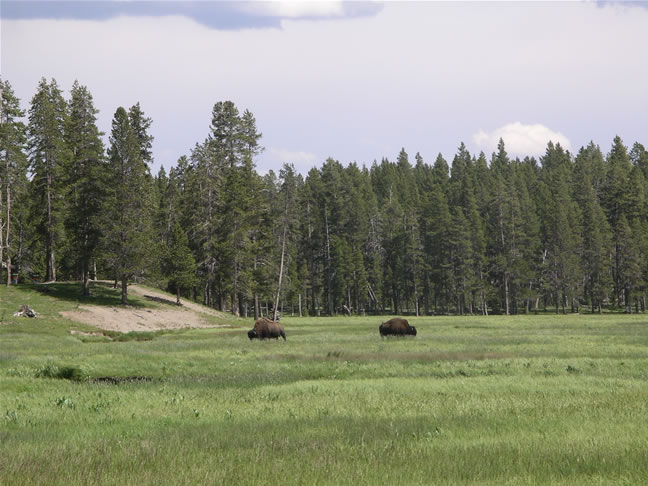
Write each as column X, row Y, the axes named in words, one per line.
column 471, row 400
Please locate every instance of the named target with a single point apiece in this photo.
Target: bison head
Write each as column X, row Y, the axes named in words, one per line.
column 412, row 331
column 252, row 334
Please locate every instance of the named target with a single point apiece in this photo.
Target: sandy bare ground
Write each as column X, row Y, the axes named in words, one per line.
column 127, row 319
column 167, row 299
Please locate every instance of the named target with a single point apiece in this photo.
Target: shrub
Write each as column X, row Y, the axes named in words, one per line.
column 64, row 373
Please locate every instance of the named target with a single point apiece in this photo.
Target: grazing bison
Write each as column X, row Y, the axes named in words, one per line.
column 396, row 327
column 265, row 328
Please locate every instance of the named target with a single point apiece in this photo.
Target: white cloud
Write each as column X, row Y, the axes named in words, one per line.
column 295, row 157
column 520, row 139
column 295, row 9
column 276, row 157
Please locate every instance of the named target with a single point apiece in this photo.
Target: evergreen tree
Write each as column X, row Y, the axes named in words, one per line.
column 287, row 222
column 461, row 259
column 234, row 142
column 639, row 158
column 628, row 264
column 140, row 124
column 47, row 157
column 503, row 217
column 128, row 208
column 179, row 264
column 12, row 169
column 563, row 243
column 84, row 181
column 616, row 196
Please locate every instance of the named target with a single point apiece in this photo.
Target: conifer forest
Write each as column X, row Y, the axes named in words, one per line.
column 478, row 234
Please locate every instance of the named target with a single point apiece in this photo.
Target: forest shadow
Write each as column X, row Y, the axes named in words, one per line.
column 101, row 293
column 160, row 300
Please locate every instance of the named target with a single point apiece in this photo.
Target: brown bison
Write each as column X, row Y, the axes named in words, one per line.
column 396, row 327
column 265, row 328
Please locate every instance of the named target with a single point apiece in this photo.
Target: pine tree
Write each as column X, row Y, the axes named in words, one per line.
column 639, row 158
column 562, row 225
column 504, row 214
column 616, row 200
column 140, row 124
column 47, row 156
column 234, row 143
column 179, row 264
column 13, row 168
column 628, row 268
column 287, row 222
column 84, row 176
column 461, row 259
column 128, row 208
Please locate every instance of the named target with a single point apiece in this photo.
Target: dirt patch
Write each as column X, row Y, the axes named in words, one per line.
column 127, row 319
column 167, row 299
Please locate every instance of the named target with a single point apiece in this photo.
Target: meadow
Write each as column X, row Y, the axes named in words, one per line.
column 497, row 400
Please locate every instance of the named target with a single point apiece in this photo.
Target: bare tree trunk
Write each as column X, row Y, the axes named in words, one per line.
column 86, row 279
column 124, row 290
column 482, row 295
column 506, row 289
column 8, row 223
column 50, row 272
column 283, row 251
column 256, row 294
column 329, row 297
column 1, row 237
column 235, row 278
column 349, row 296
column 300, row 309
column 311, row 264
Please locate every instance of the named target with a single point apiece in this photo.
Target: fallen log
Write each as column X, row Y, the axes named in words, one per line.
column 26, row 311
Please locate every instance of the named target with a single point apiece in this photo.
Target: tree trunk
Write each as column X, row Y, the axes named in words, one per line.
column 86, row 279
column 124, row 290
column 50, row 272
column 283, row 251
column 1, row 237
column 329, row 278
column 178, row 295
column 235, row 289
column 506, row 293
column 8, row 223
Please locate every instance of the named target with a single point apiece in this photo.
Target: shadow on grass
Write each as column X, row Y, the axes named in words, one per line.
column 160, row 300
column 100, row 293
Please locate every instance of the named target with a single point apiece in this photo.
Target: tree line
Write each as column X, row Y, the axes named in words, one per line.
column 479, row 235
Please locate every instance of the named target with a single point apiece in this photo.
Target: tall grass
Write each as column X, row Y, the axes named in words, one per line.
column 470, row 400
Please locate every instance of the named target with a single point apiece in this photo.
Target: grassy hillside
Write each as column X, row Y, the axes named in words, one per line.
column 470, row 400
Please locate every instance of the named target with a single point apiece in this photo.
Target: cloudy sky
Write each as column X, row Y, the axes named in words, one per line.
column 354, row 81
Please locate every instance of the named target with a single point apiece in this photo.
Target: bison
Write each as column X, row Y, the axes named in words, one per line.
column 265, row 328
column 396, row 327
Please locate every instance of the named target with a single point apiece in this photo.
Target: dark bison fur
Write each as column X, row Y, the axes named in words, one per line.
column 397, row 327
column 265, row 328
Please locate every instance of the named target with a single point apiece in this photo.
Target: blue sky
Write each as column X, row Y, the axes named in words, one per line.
column 355, row 81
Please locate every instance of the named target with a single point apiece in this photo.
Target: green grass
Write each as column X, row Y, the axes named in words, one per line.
column 471, row 400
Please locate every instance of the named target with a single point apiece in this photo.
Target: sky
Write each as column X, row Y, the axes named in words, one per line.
column 354, row 81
